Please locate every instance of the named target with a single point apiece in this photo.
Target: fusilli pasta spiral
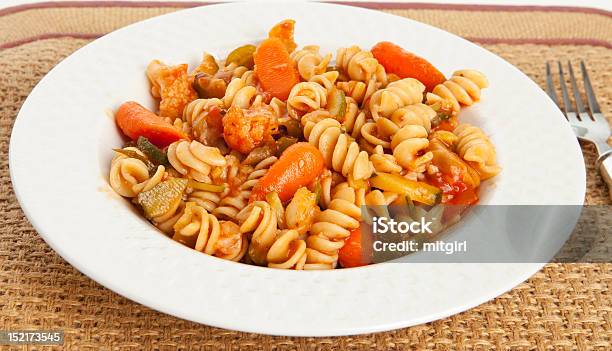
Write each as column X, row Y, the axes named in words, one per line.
column 326, row 183
column 129, row 176
column 279, row 107
column 326, row 80
column 165, row 222
column 379, row 198
column 205, row 199
column 332, row 227
column 358, row 64
column 195, row 113
column 359, row 91
column 409, row 147
column 309, row 62
column 371, row 134
column 339, row 151
column 288, row 251
column 194, row 160
column 306, row 97
column 259, row 219
column 233, row 70
column 231, row 204
column 228, row 172
column 383, row 162
column 256, row 173
column 418, row 114
column 396, row 95
column 463, row 88
column 353, row 119
column 239, row 93
column 476, row 148
column 202, row 231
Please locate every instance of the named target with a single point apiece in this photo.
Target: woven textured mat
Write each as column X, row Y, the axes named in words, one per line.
column 564, row 307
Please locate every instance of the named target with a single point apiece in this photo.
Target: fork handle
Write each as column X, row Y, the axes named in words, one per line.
column 605, row 168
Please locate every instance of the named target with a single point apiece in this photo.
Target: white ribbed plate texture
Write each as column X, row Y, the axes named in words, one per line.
column 60, row 155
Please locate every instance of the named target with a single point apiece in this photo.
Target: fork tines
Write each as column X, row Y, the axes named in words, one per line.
column 579, row 113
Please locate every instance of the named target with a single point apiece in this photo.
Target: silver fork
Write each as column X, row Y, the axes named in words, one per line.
column 591, row 127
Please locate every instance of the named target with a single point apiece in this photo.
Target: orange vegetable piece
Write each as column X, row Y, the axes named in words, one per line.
column 406, row 64
column 246, row 129
column 276, row 72
column 284, row 31
column 298, row 166
column 356, row 251
column 134, row 120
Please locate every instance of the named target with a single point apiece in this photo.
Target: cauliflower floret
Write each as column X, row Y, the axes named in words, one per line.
column 172, row 85
column 246, row 129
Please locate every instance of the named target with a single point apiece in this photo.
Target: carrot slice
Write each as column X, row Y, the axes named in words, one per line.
column 356, row 251
column 276, row 72
column 134, row 120
column 406, row 64
column 298, row 166
column 284, row 31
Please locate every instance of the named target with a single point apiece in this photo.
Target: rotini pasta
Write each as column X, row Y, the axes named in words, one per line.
column 306, row 97
column 396, row 95
column 339, row 152
column 230, row 171
column 194, row 160
column 358, row 64
column 383, row 162
column 463, row 88
column 232, row 70
column 202, row 231
column 354, row 119
column 288, row 251
column 409, row 146
column 195, row 116
column 370, row 132
column 259, row 219
column 206, row 199
column 279, row 107
column 326, row 184
column 332, row 226
column 129, row 176
column 416, row 114
column 166, row 221
column 326, row 80
column 231, row 205
column 309, row 62
column 476, row 148
column 359, row 91
column 239, row 93
column 256, row 173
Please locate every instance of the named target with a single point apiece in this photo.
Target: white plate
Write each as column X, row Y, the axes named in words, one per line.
column 61, row 149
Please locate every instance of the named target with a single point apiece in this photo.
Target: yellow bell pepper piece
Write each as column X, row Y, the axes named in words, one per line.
column 213, row 188
column 418, row 191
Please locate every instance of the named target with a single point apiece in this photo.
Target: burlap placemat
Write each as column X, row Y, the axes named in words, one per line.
column 564, row 307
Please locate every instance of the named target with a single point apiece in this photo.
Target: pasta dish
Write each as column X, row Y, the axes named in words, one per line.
column 268, row 156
